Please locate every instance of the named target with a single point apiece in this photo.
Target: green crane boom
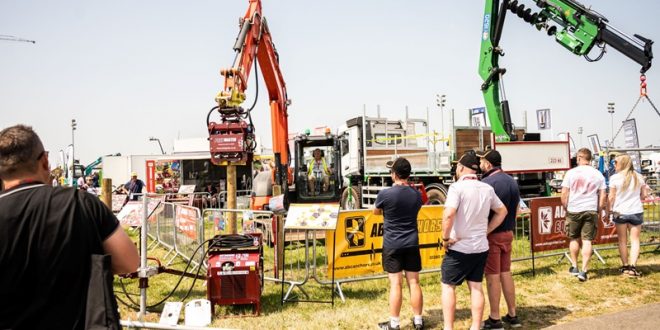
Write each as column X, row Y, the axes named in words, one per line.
column 573, row 25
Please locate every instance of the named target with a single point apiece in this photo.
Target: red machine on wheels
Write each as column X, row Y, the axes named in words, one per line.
column 235, row 271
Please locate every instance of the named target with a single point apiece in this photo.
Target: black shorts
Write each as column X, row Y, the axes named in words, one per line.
column 457, row 266
column 396, row 260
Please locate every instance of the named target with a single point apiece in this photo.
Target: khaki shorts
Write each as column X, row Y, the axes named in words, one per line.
column 581, row 225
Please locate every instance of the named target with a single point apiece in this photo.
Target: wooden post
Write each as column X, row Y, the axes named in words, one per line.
column 279, row 222
column 231, row 198
column 106, row 193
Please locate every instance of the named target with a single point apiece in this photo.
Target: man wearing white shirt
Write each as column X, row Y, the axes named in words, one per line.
column 583, row 196
column 465, row 227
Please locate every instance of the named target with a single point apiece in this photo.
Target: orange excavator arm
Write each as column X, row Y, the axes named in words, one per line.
column 232, row 140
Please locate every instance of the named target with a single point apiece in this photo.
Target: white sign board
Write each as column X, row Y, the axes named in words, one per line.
column 186, row 189
column 131, row 214
column 594, row 144
column 543, row 118
column 631, row 140
column 312, row 216
column 478, row 117
column 534, row 156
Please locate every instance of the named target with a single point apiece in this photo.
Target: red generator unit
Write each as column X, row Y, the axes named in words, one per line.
column 235, row 271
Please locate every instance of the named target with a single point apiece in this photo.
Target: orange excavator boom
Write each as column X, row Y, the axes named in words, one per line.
column 232, row 140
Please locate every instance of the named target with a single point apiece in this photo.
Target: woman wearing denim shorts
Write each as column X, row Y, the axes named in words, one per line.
column 627, row 189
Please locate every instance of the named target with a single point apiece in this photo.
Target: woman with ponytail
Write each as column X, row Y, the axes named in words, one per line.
column 627, row 189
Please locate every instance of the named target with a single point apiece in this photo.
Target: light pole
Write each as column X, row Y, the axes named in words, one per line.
column 610, row 110
column 440, row 101
column 73, row 153
column 151, row 138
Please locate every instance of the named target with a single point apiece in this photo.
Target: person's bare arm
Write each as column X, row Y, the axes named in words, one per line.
column 611, row 198
column 565, row 193
column 125, row 258
column 602, row 201
column 448, row 216
column 498, row 218
column 378, row 211
column 645, row 192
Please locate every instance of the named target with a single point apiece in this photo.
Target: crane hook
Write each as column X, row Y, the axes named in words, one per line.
column 642, row 85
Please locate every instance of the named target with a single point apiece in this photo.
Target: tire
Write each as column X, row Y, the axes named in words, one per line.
column 437, row 194
column 355, row 204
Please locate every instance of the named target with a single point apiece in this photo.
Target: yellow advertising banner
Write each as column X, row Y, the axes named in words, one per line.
column 359, row 242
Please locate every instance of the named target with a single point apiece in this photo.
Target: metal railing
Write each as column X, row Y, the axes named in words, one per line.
column 242, row 199
column 521, row 249
column 181, row 229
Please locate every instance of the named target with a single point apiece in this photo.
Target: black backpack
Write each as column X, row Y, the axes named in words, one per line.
column 101, row 311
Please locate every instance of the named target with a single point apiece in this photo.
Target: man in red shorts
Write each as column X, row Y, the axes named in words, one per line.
column 498, row 265
column 465, row 227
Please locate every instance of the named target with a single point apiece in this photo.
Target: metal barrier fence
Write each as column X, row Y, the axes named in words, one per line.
column 202, row 200
column 522, row 244
column 181, row 229
column 197, row 199
column 242, row 199
column 152, row 225
column 188, row 232
column 177, row 223
column 165, row 226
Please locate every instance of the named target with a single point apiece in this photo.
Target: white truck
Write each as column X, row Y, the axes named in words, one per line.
column 368, row 143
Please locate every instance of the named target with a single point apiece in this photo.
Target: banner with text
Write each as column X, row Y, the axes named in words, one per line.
column 131, row 214
column 548, row 225
column 478, row 117
column 359, row 242
column 186, row 220
column 631, row 140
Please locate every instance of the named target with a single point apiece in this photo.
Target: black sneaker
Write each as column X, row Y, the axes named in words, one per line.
column 573, row 271
column 512, row 320
column 386, row 326
column 417, row 326
column 582, row 276
column 491, row 324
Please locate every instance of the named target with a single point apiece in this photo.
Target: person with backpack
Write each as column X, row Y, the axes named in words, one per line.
column 49, row 237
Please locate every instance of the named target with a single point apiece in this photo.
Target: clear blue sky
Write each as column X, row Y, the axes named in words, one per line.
column 127, row 70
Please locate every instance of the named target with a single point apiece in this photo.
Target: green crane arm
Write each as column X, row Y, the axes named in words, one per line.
column 89, row 168
column 573, row 25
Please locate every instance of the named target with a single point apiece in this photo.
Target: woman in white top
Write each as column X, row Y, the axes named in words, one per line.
column 627, row 189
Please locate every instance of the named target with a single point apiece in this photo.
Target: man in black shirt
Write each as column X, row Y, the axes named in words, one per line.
column 45, row 245
column 399, row 206
column 498, row 264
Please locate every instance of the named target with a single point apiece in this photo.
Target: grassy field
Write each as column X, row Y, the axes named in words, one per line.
column 550, row 297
